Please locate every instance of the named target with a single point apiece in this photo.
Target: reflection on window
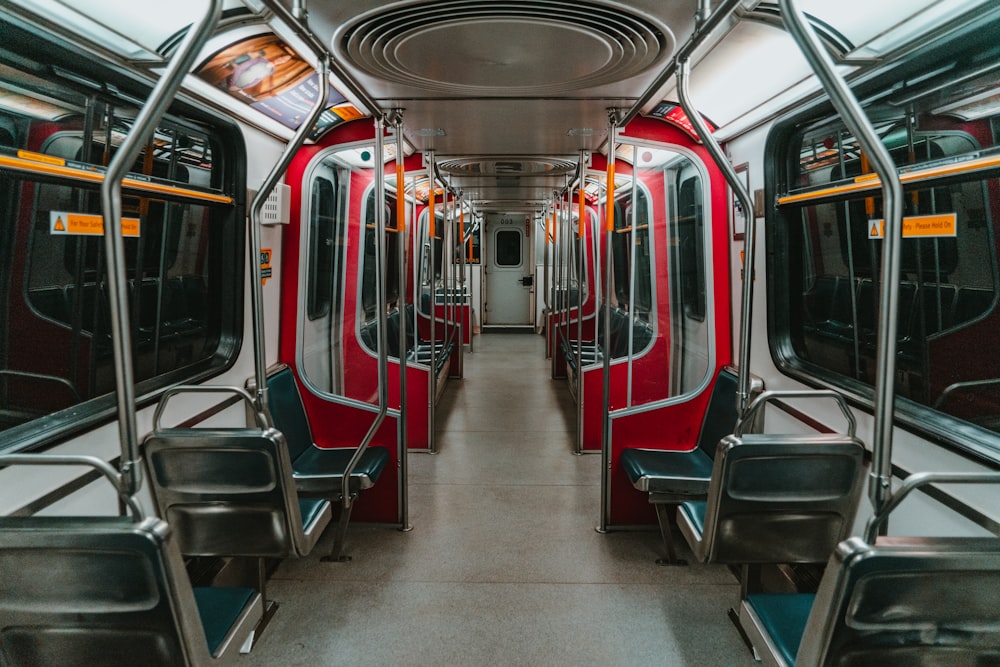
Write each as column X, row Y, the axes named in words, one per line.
column 948, row 275
column 183, row 253
column 322, row 327
column 323, row 237
column 390, row 274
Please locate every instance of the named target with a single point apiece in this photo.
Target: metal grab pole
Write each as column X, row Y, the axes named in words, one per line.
column 296, row 21
column 749, row 236
column 401, row 247
column 703, row 28
column 892, row 208
column 256, row 207
column 581, row 280
column 114, row 247
column 432, row 290
column 383, row 351
column 609, row 226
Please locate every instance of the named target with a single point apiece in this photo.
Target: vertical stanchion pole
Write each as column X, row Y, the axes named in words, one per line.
column 609, row 227
column 892, row 207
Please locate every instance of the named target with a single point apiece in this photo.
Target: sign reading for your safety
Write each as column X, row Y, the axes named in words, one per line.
column 85, row 224
column 919, row 226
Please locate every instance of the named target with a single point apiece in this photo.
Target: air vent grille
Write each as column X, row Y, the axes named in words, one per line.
column 470, row 47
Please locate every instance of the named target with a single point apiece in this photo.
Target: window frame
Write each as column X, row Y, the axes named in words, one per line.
column 48, row 60
column 782, row 153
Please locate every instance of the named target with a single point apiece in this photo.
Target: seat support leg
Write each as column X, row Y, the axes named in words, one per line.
column 337, row 552
column 270, row 608
column 663, row 518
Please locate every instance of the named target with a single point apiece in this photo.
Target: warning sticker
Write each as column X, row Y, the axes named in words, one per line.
column 265, row 265
column 920, row 226
column 86, row 224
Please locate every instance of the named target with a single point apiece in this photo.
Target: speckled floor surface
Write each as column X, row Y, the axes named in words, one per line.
column 503, row 565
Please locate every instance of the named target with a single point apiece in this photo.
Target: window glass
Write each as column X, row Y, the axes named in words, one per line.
column 942, row 135
column 323, row 237
column 322, row 349
column 390, row 274
column 508, row 251
column 183, row 253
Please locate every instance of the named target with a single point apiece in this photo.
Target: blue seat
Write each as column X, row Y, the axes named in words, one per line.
column 674, row 477
column 316, row 470
column 890, row 600
column 229, row 492
column 776, row 498
column 111, row 591
column 901, row 601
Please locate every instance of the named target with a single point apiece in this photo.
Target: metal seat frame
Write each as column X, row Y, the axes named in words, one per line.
column 229, row 492
column 109, row 590
column 893, row 600
column 324, row 476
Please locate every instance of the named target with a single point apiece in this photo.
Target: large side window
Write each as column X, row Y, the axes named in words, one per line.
column 323, row 240
column 324, row 245
column 828, row 240
column 183, row 254
column 369, row 272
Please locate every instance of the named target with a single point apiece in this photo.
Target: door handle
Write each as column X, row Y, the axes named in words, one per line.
column 528, row 281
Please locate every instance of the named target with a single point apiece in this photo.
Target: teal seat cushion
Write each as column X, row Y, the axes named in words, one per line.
column 289, row 415
column 321, row 470
column 311, row 509
column 694, row 511
column 219, row 609
column 668, row 472
column 783, row 617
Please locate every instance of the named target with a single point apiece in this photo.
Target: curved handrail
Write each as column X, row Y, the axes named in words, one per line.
column 296, row 20
column 114, row 247
column 892, row 205
column 749, row 236
column 706, row 23
column 259, row 416
column 957, row 386
column 917, row 480
column 765, row 397
column 256, row 273
column 116, row 478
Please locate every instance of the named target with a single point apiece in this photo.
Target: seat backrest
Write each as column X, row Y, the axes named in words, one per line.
column 287, row 411
column 227, row 492
column 722, row 412
column 907, row 601
column 82, row 591
column 777, row 498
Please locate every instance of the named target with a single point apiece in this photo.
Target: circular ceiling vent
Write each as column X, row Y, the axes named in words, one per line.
column 506, row 166
column 471, row 47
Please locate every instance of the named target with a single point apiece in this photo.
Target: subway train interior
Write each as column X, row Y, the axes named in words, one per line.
column 499, row 332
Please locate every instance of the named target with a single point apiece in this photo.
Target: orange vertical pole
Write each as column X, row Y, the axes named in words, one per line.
column 432, row 220
column 609, row 206
column 400, row 195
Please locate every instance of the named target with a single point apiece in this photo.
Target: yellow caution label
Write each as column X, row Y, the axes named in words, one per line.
column 920, row 226
column 41, row 157
column 87, row 224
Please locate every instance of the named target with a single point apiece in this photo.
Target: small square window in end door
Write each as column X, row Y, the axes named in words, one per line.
column 508, row 250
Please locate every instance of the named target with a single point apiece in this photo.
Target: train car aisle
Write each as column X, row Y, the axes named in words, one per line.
column 503, row 565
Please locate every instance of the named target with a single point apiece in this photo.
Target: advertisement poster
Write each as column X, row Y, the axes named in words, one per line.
column 268, row 75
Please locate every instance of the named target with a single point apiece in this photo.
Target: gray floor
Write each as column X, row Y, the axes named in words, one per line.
column 503, row 565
